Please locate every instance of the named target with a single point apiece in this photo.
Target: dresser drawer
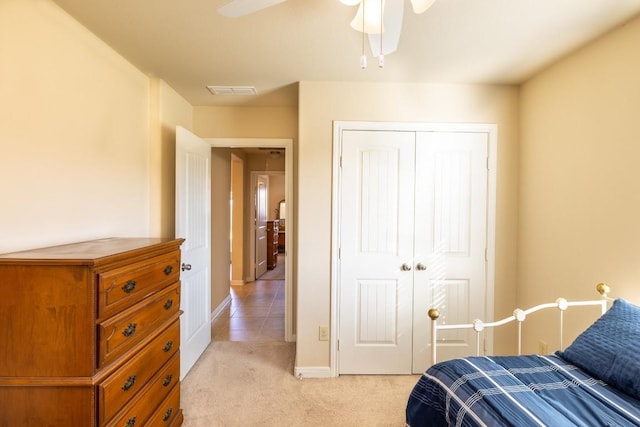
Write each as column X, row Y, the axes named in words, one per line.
column 152, row 365
column 150, row 411
column 167, row 412
column 119, row 333
column 122, row 287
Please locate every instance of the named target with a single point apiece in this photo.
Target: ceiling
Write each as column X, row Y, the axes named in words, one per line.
column 190, row 46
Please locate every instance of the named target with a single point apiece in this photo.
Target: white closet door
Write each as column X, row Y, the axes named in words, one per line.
column 413, row 235
column 450, row 239
column 376, row 230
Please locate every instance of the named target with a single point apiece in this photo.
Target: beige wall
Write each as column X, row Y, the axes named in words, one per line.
column 168, row 110
column 246, row 220
column 320, row 104
column 276, row 194
column 85, row 137
column 220, row 225
column 580, row 180
column 246, row 122
column 237, row 227
column 74, row 132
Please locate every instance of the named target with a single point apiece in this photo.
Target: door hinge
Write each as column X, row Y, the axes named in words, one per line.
column 487, row 163
column 486, row 255
column 338, row 344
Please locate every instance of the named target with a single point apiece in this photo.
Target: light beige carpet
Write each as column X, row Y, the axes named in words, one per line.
column 252, row 384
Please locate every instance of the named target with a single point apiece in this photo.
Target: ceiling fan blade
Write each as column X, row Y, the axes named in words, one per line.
column 238, row 8
column 420, row 6
column 393, row 13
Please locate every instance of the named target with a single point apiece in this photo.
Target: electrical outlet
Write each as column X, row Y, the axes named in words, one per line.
column 543, row 347
column 323, row 333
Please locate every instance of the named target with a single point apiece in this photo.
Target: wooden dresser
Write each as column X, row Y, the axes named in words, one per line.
column 281, row 241
column 90, row 334
column 272, row 244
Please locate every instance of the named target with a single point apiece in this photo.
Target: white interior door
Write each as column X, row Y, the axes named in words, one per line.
column 413, row 235
column 193, row 223
column 450, row 240
column 376, row 291
column 261, row 201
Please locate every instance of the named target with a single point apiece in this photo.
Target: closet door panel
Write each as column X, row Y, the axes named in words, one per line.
column 376, row 241
column 450, row 238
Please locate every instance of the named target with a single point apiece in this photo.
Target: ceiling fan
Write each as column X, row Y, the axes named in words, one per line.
column 381, row 20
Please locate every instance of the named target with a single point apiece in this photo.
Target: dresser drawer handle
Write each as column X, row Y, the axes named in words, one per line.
column 131, row 422
column 168, row 304
column 129, row 286
column 167, row 380
column 167, row 346
column 168, row 269
column 167, row 414
column 129, row 383
column 130, row 329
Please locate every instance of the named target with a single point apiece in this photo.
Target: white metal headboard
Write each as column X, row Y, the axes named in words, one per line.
column 519, row 316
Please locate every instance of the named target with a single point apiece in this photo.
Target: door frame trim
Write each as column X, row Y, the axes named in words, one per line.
column 254, row 178
column 338, row 128
column 287, row 144
column 254, row 220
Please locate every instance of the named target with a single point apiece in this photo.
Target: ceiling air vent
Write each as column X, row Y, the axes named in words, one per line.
column 233, row 90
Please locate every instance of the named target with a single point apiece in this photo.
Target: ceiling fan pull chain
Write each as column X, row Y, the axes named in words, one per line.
column 381, row 57
column 363, row 58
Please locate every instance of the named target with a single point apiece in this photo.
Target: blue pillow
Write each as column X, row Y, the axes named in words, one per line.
column 610, row 348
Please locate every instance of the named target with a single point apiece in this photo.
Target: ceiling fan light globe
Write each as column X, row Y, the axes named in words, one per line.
column 371, row 11
column 420, row 6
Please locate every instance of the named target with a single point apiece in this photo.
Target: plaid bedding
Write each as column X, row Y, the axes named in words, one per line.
column 516, row 391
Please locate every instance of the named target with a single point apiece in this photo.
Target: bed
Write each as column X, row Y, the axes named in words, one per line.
column 593, row 382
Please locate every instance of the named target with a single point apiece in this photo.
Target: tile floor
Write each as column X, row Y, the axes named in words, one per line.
column 256, row 313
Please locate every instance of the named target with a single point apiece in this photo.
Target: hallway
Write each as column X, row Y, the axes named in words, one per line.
column 256, row 311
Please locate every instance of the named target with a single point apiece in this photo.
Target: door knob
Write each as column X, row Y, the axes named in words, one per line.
column 421, row 266
column 405, row 267
column 185, row 267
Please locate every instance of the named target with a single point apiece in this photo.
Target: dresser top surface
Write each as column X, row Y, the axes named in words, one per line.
column 92, row 251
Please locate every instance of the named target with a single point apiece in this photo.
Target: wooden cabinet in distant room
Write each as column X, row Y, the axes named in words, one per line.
column 272, row 244
column 281, row 240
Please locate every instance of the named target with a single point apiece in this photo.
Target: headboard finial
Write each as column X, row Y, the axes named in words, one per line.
column 433, row 313
column 603, row 289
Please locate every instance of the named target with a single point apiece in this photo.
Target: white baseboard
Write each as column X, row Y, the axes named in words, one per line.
column 312, row 372
column 238, row 282
column 221, row 307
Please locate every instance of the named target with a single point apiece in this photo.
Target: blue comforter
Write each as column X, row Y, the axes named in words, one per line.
column 516, row 391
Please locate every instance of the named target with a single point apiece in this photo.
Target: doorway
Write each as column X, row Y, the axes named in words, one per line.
column 256, row 311
column 248, row 240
